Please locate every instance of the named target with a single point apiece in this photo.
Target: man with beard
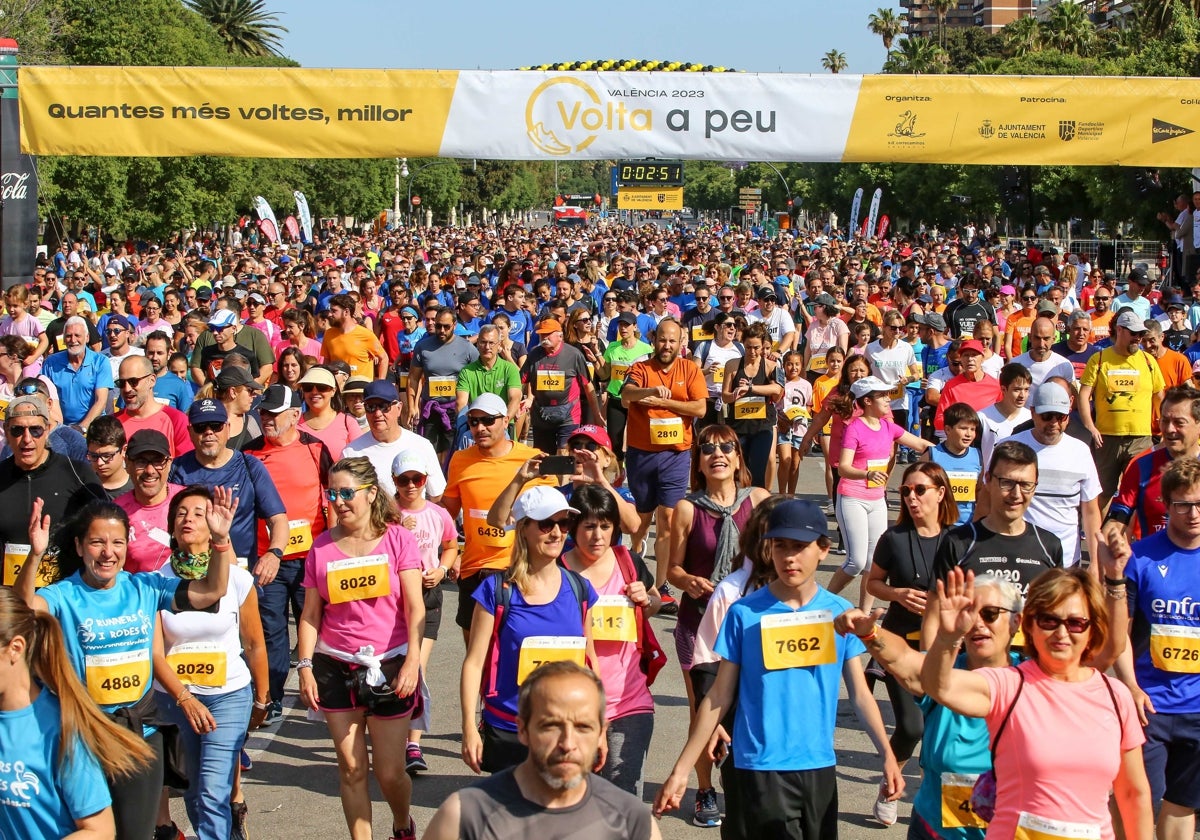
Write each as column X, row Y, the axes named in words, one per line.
column 82, row 376
column 556, row 380
column 169, row 390
column 663, row 395
column 142, row 411
column 552, row 794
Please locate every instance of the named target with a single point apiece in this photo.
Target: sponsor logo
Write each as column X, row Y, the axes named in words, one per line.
column 986, row 130
column 1021, row 131
column 906, row 131
column 1066, row 130
column 1161, row 130
column 565, row 115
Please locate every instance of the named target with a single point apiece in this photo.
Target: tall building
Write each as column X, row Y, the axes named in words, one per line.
column 990, row 15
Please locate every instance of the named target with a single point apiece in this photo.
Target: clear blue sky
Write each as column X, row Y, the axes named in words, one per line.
column 473, row 34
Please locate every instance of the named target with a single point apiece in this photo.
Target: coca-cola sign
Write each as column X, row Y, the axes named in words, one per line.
column 14, row 186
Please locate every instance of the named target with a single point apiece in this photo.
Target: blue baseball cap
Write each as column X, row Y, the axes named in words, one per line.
column 381, row 390
column 207, row 411
column 796, row 519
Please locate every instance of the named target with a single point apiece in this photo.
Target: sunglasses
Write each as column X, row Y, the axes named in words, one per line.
column 907, row 490
column 115, row 331
column 24, row 390
column 1050, row 623
column 344, row 493
column 131, row 381
column 18, row 432
column 1052, row 417
column 486, row 420
column 990, row 614
column 204, row 428
column 1029, row 298
column 727, row 447
column 417, row 480
column 308, row 387
column 1102, row 299
column 584, row 443
column 564, row 524
column 377, row 407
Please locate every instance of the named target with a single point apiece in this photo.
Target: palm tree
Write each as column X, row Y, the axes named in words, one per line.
column 942, row 8
column 1023, row 36
column 887, row 25
column 245, row 26
column 915, row 56
column 1158, row 15
column 834, row 61
column 1071, row 30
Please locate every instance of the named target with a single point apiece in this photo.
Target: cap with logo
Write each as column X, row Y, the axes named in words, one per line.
column 796, row 519
column 207, row 411
column 279, row 398
column 868, row 385
column 222, row 318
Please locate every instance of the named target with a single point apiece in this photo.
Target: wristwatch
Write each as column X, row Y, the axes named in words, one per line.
column 278, row 552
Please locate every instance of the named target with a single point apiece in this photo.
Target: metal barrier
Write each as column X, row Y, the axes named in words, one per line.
column 1121, row 255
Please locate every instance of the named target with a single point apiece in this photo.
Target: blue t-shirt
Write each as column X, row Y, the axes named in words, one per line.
column 934, row 358
column 963, row 470
column 785, row 719
column 250, row 482
column 520, row 324
column 106, row 631
column 39, row 795
column 561, row 617
column 1164, row 592
column 177, row 393
column 77, row 388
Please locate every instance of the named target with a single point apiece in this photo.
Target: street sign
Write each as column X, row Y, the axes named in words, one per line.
column 747, row 191
column 416, row 200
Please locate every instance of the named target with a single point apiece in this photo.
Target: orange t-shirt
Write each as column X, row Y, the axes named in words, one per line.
column 1101, row 327
column 300, row 472
column 660, row 429
column 358, row 348
column 1016, row 331
column 476, row 481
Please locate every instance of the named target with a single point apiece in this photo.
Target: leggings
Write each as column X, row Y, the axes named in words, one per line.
column 135, row 798
column 910, row 722
column 862, row 522
column 615, row 416
column 758, row 448
column 628, row 744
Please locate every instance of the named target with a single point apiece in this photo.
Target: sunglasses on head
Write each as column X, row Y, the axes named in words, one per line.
column 564, row 523
column 990, row 614
column 25, row 390
column 727, row 447
column 416, row 480
column 1050, row 622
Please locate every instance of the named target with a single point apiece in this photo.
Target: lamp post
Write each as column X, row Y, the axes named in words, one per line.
column 401, row 172
column 417, row 171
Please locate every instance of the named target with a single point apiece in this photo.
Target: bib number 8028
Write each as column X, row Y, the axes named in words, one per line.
column 356, row 582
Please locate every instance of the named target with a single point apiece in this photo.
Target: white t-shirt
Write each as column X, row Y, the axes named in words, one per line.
column 383, row 454
column 997, row 427
column 890, row 365
column 115, row 361
column 779, row 324
column 720, row 355
column 1054, row 365
column 1067, row 477
column 992, row 365
column 220, row 628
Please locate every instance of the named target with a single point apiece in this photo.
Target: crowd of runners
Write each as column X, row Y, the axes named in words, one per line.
column 228, row 461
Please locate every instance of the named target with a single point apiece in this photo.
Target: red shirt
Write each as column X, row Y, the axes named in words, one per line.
column 979, row 395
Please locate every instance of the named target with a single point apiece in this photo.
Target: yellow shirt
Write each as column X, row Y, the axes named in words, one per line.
column 1123, row 388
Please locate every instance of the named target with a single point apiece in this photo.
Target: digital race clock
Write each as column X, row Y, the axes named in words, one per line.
column 641, row 173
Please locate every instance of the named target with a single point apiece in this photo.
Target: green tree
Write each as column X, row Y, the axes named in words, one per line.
column 245, row 26
column 916, row 56
column 710, row 185
column 834, row 61
column 438, row 181
column 36, row 25
column 1158, row 16
column 942, row 8
column 1070, row 29
column 887, row 25
column 1023, row 36
column 967, row 45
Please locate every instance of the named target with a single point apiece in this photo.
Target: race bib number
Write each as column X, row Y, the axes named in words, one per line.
column 59, row 344
column 956, row 802
column 1175, row 648
column 897, row 392
column 666, row 431
column 617, row 373
column 199, row 663
column 160, row 400
column 750, row 408
column 817, row 363
column 538, row 650
column 15, row 555
column 797, row 412
column 1030, row 827
column 442, row 387
column 718, row 375
column 403, row 380
column 612, row 619
column 358, row 578
column 489, row 535
column 299, row 536
column 798, row 640
column 551, row 380
column 114, row 679
column 1122, row 380
column 702, row 332
column 877, row 466
column 962, row 486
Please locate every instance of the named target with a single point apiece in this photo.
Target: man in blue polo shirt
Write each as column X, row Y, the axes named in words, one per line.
column 82, row 376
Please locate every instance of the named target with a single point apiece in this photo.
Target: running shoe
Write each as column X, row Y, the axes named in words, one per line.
column 708, row 815
column 237, row 829
column 886, row 812
column 409, row 833
column 274, row 714
column 168, row 832
column 669, row 605
column 245, row 762
column 414, row 760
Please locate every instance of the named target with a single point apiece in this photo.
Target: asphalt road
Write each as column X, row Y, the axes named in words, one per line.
column 292, row 790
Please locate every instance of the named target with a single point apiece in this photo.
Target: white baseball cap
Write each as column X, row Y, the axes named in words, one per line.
column 541, row 502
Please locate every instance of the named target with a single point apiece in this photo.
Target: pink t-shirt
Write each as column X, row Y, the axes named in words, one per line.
column 1061, row 749
column 434, row 528
column 625, row 688
column 378, row 621
column 340, row 431
column 873, row 449
column 149, row 531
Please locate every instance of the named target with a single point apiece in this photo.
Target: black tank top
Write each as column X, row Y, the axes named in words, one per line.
column 494, row 809
column 751, row 426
